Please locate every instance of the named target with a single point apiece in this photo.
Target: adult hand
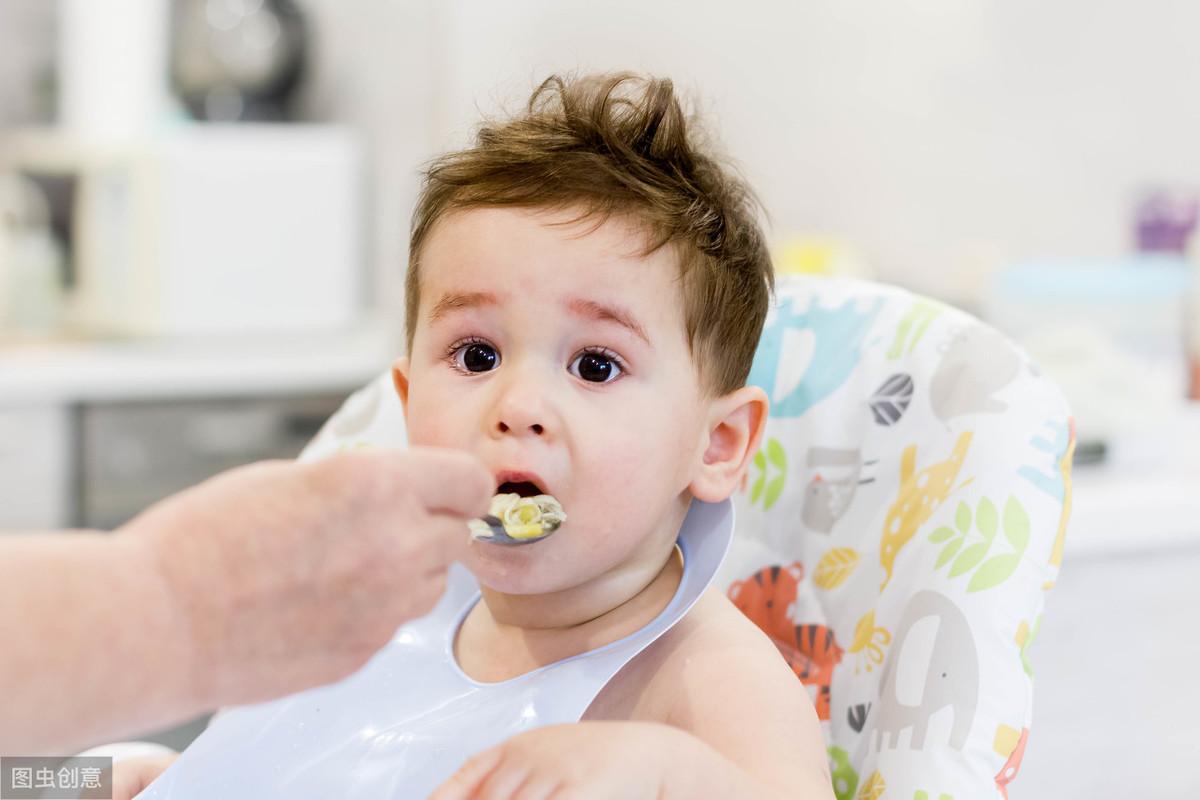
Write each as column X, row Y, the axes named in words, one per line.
column 288, row 575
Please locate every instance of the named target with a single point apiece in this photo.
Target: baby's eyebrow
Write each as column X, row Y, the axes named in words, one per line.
column 454, row 301
column 608, row 313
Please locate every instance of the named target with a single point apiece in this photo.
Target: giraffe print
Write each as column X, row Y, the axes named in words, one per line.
column 919, row 496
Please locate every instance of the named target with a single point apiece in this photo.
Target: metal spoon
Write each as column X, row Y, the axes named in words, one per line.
column 500, row 536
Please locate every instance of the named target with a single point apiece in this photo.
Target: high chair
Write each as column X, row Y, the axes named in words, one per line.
column 897, row 531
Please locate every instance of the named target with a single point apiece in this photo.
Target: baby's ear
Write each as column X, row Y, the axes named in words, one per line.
column 735, row 426
column 400, row 381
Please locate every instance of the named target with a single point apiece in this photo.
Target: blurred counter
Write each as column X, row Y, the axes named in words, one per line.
column 1116, row 701
column 65, row 372
column 1145, row 496
column 91, row 433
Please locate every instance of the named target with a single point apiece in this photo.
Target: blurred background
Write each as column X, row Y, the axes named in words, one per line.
column 204, row 208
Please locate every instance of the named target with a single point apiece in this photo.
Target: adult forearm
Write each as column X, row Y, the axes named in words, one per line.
column 266, row 580
column 91, row 645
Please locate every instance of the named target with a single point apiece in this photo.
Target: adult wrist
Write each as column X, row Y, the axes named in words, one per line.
column 168, row 623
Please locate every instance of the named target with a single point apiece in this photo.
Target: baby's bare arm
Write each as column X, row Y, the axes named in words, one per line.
column 729, row 687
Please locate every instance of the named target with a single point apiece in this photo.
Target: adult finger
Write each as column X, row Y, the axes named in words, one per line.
column 450, row 540
column 445, row 481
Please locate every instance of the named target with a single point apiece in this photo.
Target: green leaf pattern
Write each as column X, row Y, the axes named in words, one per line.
column 1016, row 525
column 769, row 489
column 948, row 552
column 760, row 463
column 941, row 534
column 962, row 518
column 968, row 556
column 985, row 518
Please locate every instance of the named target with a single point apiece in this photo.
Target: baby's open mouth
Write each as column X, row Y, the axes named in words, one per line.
column 524, row 488
column 520, row 513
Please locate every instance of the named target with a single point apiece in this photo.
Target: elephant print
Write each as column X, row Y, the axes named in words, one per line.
column 951, row 674
column 978, row 363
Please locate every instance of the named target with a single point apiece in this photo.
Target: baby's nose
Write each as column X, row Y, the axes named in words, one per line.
column 523, row 408
column 535, row 427
column 520, row 412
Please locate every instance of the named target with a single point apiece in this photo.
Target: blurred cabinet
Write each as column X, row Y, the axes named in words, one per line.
column 131, row 455
column 96, row 465
column 91, row 433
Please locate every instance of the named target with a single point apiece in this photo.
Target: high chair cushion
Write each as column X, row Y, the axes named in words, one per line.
column 897, row 529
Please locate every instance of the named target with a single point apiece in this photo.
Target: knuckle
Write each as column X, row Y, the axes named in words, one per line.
column 361, row 476
column 349, row 471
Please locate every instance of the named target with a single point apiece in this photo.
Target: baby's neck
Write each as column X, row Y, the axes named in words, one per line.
column 542, row 630
column 625, row 593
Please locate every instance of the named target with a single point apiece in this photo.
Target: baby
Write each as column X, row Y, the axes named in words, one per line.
column 585, row 292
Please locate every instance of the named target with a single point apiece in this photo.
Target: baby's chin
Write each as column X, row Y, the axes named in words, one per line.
column 519, row 569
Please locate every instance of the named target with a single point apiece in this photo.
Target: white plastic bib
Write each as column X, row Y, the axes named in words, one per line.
column 405, row 722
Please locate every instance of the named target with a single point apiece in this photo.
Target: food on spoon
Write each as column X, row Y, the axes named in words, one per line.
column 523, row 518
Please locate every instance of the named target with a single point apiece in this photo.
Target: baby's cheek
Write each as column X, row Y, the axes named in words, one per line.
column 617, row 452
column 615, row 482
column 433, row 428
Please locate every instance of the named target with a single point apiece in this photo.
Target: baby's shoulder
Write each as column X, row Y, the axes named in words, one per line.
column 716, row 639
column 713, row 650
column 716, row 676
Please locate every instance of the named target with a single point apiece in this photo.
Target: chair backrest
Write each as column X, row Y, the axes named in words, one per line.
column 898, row 529
column 896, row 533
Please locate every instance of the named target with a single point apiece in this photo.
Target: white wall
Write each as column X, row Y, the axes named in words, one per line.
column 371, row 67
column 941, row 136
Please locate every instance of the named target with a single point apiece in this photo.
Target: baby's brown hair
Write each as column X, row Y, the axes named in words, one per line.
column 620, row 144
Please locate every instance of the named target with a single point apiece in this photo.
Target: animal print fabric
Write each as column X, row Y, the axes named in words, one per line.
column 898, row 530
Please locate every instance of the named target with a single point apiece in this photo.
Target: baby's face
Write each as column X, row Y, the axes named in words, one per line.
column 559, row 356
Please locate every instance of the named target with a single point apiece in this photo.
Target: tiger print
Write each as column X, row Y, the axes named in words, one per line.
column 812, row 651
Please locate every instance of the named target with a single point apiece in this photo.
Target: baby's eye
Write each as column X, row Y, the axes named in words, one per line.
column 596, row 366
column 475, row 357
